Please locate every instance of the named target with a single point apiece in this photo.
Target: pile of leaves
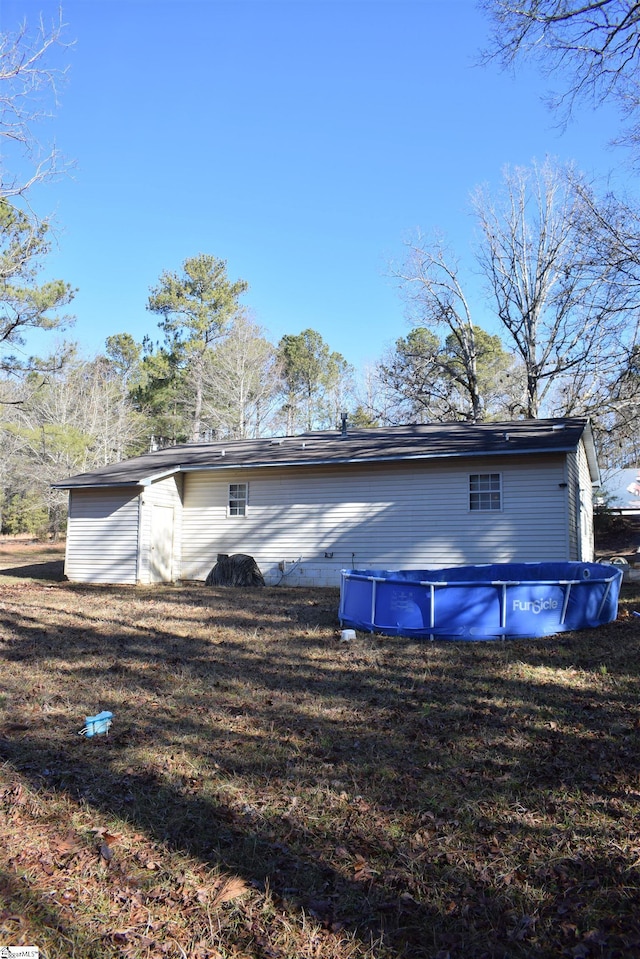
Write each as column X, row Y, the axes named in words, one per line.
column 267, row 790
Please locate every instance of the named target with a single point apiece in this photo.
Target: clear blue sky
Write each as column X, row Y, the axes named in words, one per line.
column 300, row 140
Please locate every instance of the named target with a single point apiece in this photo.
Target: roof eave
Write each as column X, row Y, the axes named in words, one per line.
column 133, row 484
column 360, row 460
column 143, row 481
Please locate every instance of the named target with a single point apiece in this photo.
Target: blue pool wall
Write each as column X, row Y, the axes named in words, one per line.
column 495, row 601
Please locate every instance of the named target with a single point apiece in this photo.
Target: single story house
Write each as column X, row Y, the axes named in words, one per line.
column 307, row 506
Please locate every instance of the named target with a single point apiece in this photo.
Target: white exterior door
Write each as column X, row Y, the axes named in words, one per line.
column 161, row 552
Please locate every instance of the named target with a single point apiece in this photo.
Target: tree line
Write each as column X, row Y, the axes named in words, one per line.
column 556, row 283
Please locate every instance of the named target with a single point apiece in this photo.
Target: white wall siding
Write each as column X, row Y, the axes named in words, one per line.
column 581, row 502
column 588, row 542
column 165, row 493
column 102, row 536
column 377, row 516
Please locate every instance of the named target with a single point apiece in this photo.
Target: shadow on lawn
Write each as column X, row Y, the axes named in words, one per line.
column 52, row 571
column 469, row 760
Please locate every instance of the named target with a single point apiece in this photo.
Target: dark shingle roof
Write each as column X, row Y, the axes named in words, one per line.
column 384, row 444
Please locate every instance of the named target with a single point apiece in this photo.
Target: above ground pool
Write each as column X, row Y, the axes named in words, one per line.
column 498, row 601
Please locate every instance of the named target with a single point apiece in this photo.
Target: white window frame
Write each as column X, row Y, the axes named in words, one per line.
column 485, row 490
column 237, row 504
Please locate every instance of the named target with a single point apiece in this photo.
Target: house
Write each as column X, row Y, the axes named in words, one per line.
column 307, row 506
column 621, row 490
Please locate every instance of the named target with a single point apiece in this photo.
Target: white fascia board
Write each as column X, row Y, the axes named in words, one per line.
column 592, row 457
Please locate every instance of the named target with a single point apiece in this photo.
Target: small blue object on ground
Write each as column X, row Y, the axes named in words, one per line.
column 96, row 725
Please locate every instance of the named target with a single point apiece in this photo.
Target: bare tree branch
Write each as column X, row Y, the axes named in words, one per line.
column 560, row 303
column 595, row 44
column 29, row 85
column 431, row 287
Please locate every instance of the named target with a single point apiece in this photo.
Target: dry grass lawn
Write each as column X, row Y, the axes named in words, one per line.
column 268, row 791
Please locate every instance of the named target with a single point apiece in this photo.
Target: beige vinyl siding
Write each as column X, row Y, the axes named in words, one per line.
column 166, row 493
column 377, row 516
column 102, row 536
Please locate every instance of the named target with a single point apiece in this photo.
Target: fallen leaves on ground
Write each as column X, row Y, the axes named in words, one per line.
column 268, row 791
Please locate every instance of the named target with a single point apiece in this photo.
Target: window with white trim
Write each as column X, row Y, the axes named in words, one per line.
column 485, row 491
column 238, row 499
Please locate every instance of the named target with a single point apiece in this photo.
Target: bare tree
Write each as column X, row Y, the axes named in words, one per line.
column 616, row 417
column 374, row 404
column 431, row 286
column 242, row 382
column 613, row 226
column 563, row 290
column 29, row 84
column 626, row 422
column 411, row 378
column 594, row 43
column 74, row 420
column 562, row 307
column 29, row 80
